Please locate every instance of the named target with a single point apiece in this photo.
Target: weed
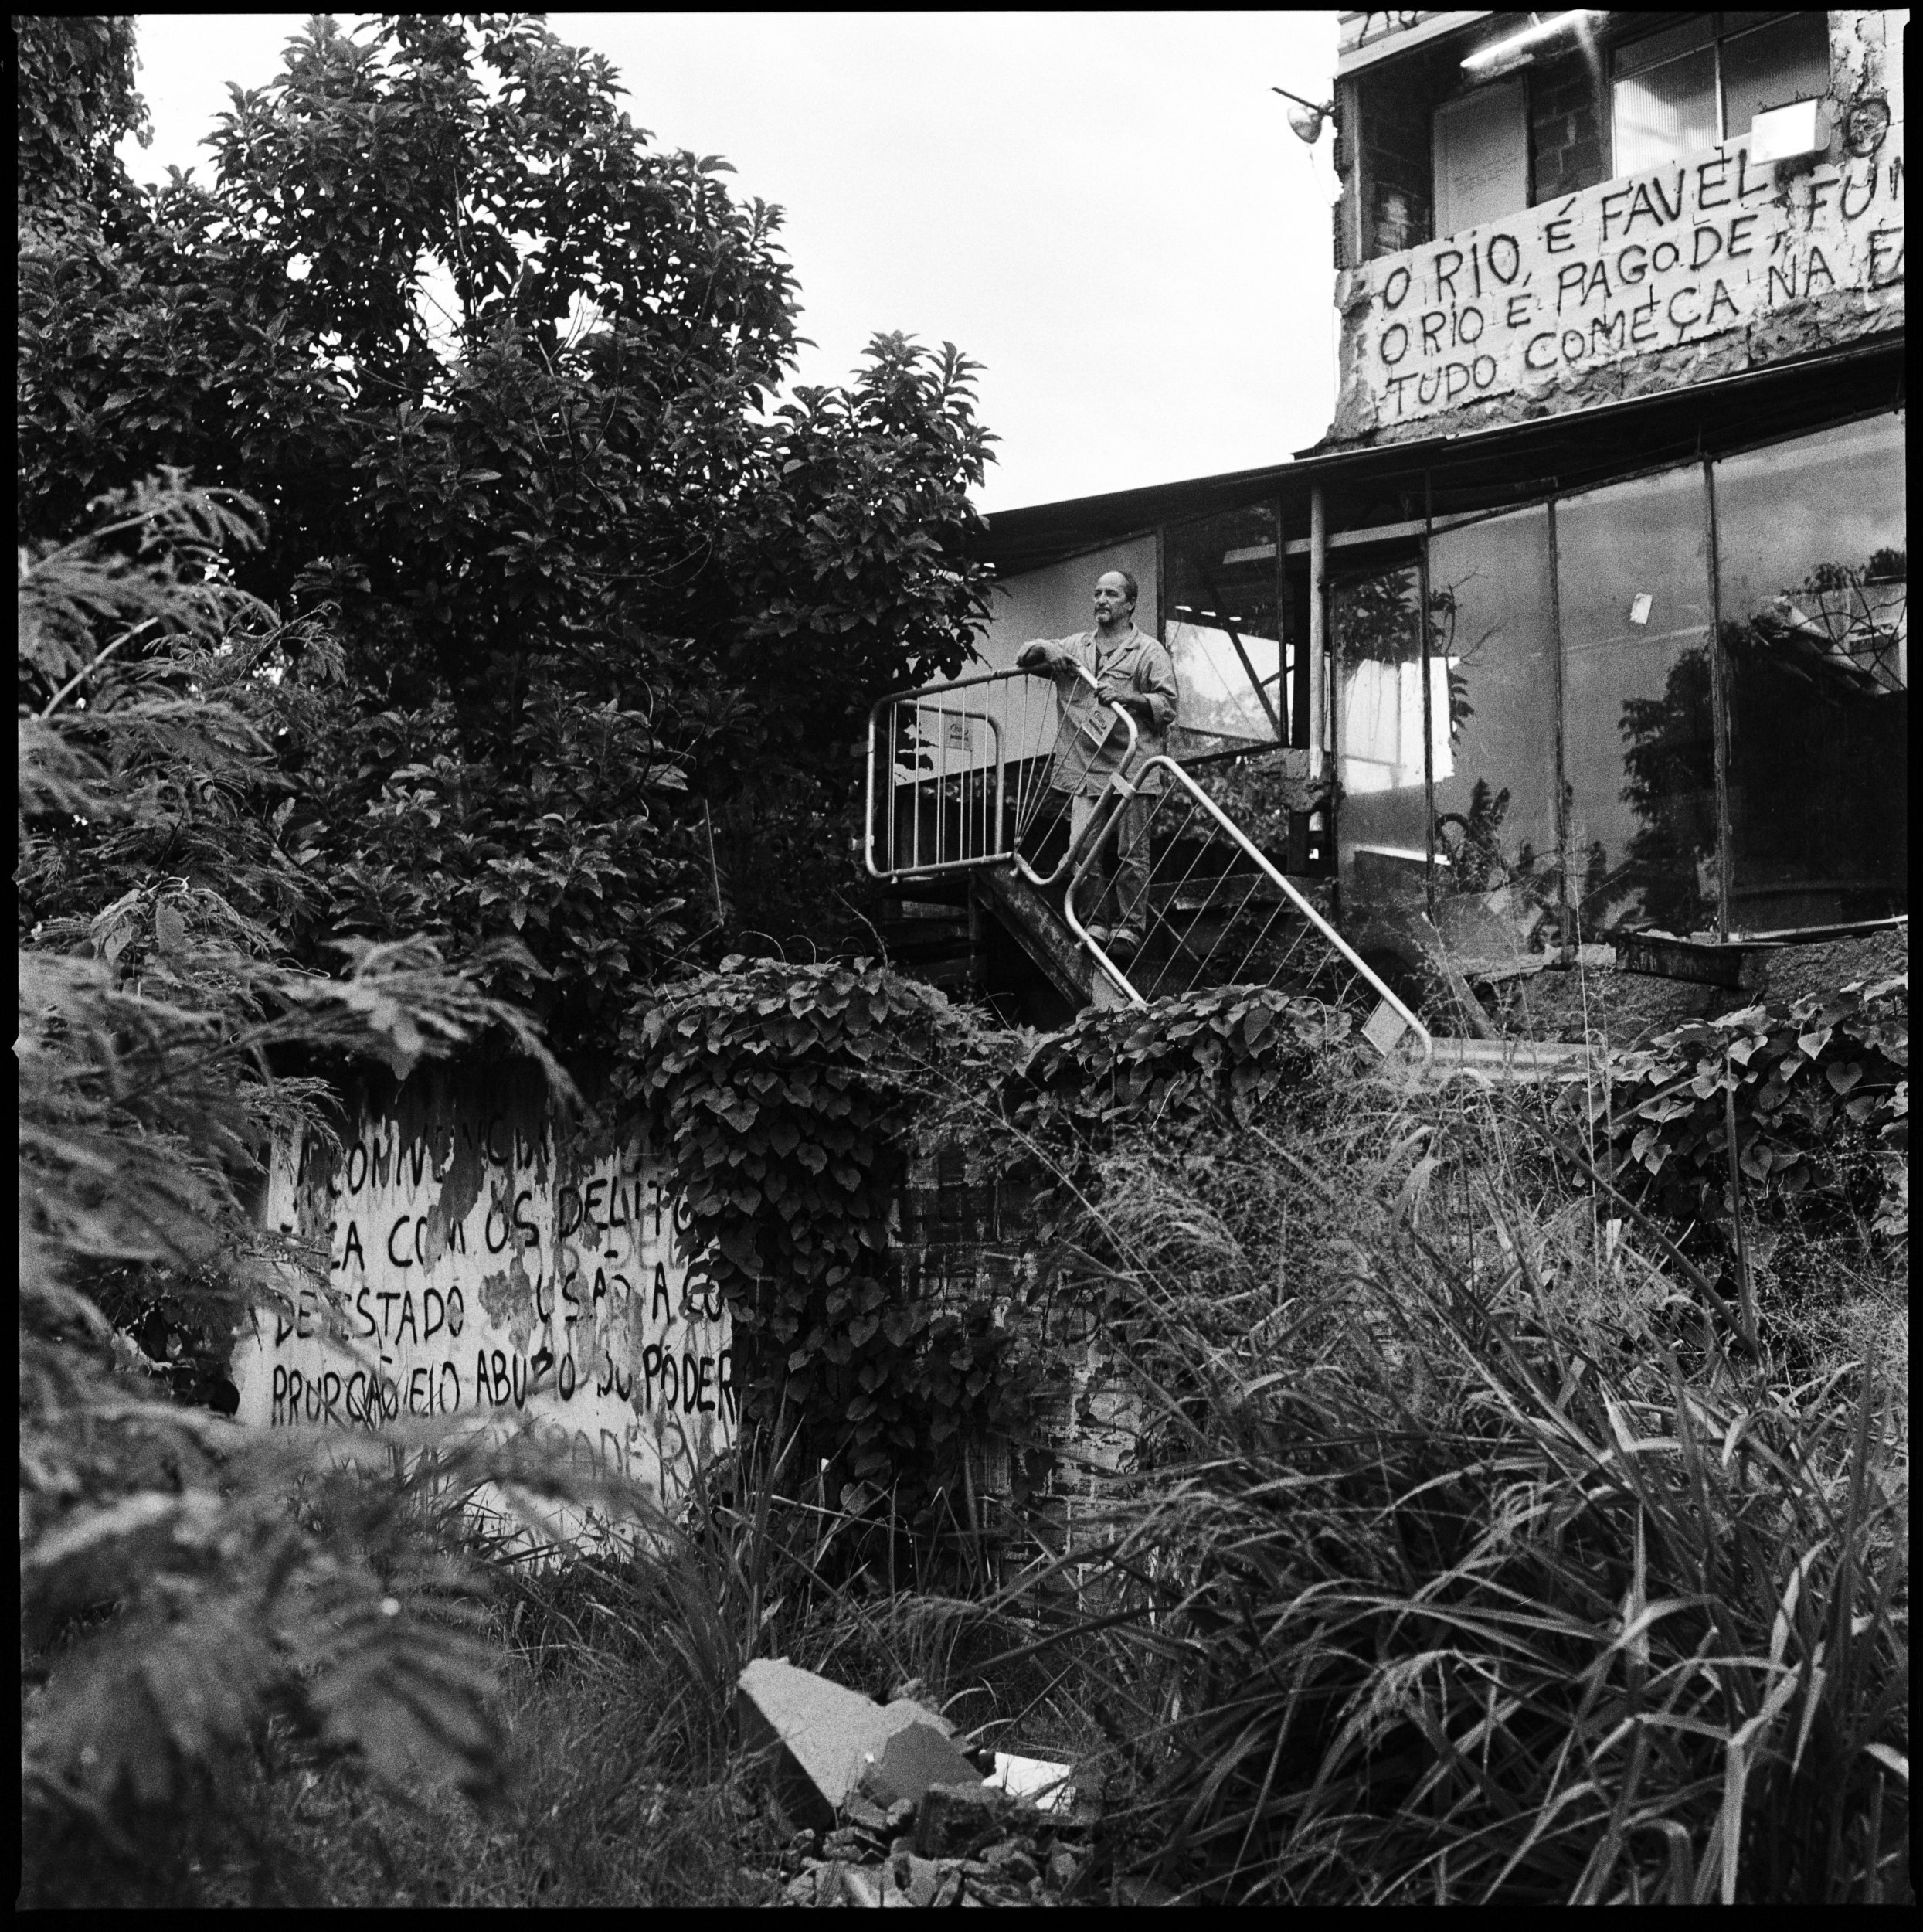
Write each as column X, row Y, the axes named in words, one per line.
column 1460, row 1562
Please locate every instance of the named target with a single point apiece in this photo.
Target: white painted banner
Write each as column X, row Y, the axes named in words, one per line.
column 474, row 1275
column 1681, row 254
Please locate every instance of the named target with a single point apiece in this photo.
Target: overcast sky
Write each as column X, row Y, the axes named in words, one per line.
column 1107, row 211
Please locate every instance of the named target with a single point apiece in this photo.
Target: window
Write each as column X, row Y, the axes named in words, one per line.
column 1222, row 623
column 1691, row 87
column 1638, row 715
column 1481, row 157
column 1814, row 595
column 1381, row 709
column 1492, row 644
column 1455, row 791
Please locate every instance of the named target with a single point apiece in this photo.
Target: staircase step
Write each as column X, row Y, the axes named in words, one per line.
column 920, row 949
column 1038, row 929
column 940, row 889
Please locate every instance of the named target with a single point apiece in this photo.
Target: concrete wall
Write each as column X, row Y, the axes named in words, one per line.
column 1607, row 289
column 1680, row 276
column 484, row 1268
column 1387, row 171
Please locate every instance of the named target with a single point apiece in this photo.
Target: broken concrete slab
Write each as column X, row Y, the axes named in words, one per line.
column 914, row 1758
column 826, row 1736
column 823, row 1732
column 914, row 1881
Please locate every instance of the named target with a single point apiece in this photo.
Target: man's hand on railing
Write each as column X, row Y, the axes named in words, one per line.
column 1039, row 661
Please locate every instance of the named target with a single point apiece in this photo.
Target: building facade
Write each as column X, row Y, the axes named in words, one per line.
column 1586, row 621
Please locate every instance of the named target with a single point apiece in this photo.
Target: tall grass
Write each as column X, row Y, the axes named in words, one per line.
column 618, row 1677
column 1462, row 1563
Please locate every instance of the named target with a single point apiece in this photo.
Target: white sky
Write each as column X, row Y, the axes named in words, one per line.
column 1107, row 211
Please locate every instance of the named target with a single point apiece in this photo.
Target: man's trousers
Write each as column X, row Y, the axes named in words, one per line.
column 1114, row 891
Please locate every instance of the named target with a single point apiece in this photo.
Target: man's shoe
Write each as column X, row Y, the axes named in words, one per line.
column 1098, row 934
column 1124, row 946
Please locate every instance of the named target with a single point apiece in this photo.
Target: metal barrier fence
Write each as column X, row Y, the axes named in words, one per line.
column 1215, row 912
column 958, row 774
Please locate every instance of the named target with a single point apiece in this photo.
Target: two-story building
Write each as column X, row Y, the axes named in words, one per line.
column 1588, row 618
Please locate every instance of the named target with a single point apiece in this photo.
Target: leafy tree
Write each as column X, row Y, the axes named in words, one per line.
column 148, row 1037
column 75, row 99
column 503, row 378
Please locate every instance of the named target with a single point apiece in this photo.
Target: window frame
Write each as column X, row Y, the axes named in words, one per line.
column 1413, row 552
column 1715, row 38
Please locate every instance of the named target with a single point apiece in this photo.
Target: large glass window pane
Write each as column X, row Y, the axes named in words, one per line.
column 1815, row 597
column 1770, row 66
column 1492, row 637
column 1666, row 111
column 1638, row 738
column 1223, row 627
column 1381, row 820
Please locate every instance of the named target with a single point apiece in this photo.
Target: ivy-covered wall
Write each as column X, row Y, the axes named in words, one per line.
column 829, row 1203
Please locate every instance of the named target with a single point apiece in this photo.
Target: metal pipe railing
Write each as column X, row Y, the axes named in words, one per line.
column 968, row 765
column 1215, row 909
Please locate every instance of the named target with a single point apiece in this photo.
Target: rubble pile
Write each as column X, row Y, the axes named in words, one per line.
column 893, row 1811
column 958, row 1844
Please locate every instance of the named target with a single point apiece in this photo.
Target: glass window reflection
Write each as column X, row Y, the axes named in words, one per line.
column 1814, row 592
column 1382, row 825
column 1222, row 625
column 1492, row 641
column 1639, row 735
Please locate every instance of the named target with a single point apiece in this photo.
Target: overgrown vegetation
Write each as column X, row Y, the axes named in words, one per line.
column 597, row 599
column 182, row 1583
column 1818, row 1092
column 1462, row 1561
column 476, row 623
column 1517, row 1509
column 788, row 1101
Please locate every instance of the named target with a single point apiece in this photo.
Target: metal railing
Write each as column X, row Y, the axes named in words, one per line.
column 1215, row 911
column 958, row 776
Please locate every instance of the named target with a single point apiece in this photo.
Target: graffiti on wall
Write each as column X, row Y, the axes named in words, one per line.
column 476, row 1272
column 1680, row 255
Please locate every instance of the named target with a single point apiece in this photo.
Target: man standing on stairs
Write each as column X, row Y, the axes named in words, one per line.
column 1129, row 669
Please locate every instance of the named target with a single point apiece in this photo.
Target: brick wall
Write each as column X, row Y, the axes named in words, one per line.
column 1568, row 128
column 965, row 1235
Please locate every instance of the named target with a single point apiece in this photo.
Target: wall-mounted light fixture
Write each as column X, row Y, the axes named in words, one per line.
column 1305, row 117
column 1514, row 51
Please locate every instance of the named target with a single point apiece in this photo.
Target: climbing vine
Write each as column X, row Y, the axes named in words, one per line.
column 1203, row 1057
column 788, row 1101
column 1821, row 1092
